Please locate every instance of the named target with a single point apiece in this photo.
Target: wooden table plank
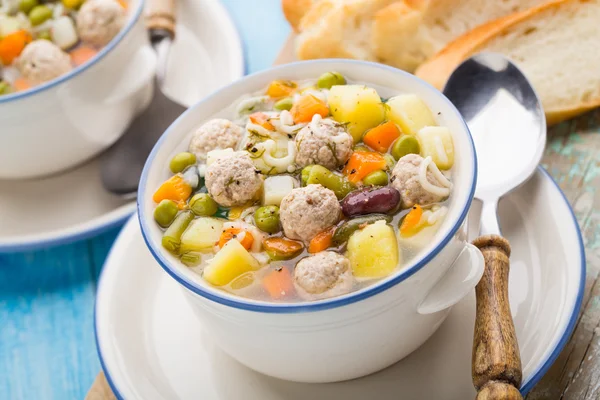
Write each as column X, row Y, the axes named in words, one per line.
column 573, row 159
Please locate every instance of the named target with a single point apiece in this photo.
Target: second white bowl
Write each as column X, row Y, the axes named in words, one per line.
column 66, row 121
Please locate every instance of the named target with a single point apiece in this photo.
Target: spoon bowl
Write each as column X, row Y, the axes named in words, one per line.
column 505, row 118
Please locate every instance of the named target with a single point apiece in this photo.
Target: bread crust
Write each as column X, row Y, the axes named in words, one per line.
column 294, row 11
column 437, row 70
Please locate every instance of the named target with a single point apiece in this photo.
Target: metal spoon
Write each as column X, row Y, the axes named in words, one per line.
column 122, row 164
column 508, row 126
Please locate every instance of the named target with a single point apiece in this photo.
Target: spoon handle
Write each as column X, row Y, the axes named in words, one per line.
column 496, row 364
column 161, row 15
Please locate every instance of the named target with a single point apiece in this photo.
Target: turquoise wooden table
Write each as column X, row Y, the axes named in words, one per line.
column 47, row 346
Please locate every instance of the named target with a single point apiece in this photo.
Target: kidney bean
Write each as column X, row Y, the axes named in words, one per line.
column 369, row 201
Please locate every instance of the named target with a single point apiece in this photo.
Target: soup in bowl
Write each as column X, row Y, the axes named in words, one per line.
column 73, row 75
column 317, row 208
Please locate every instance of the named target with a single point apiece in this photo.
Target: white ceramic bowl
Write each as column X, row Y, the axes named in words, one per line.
column 66, row 121
column 344, row 337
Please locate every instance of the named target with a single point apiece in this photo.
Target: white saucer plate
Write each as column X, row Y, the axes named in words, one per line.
column 152, row 347
column 73, row 205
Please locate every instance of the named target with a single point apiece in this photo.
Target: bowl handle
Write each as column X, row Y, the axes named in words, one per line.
column 457, row 282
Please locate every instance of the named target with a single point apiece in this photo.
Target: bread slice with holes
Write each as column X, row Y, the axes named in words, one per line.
column 556, row 45
column 402, row 33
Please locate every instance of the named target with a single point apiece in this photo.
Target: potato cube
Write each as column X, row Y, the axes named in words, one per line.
column 373, row 251
column 357, row 105
column 276, row 188
column 230, row 262
column 410, row 113
column 201, row 235
column 436, row 142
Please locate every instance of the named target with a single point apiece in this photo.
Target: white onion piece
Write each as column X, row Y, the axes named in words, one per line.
column 286, row 118
column 260, row 130
column 191, row 177
column 428, row 186
column 262, row 258
column 64, row 34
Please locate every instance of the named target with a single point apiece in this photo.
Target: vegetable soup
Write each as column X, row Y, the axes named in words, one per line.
column 41, row 40
column 311, row 190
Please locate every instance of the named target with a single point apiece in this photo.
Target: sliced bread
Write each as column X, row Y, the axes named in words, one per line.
column 556, row 45
column 402, row 33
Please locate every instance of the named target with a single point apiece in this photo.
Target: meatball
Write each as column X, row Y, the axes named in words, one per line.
column 324, row 142
column 326, row 274
column 42, row 61
column 405, row 178
column 233, row 180
column 215, row 134
column 99, row 21
column 306, row 211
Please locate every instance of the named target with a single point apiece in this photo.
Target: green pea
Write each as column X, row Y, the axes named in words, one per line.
column 321, row 175
column 27, row 5
column 165, row 212
column 181, row 161
column 329, row 79
column 284, row 104
column 305, row 174
column 405, row 145
column 267, row 219
column 45, row 35
column 347, row 228
column 39, row 14
column 171, row 239
column 5, row 88
column 376, row 178
column 203, row 205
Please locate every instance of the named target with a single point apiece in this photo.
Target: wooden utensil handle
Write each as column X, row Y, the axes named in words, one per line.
column 161, row 14
column 496, row 364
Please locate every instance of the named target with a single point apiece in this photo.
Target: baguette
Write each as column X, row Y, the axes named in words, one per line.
column 294, row 10
column 555, row 44
column 402, row 33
